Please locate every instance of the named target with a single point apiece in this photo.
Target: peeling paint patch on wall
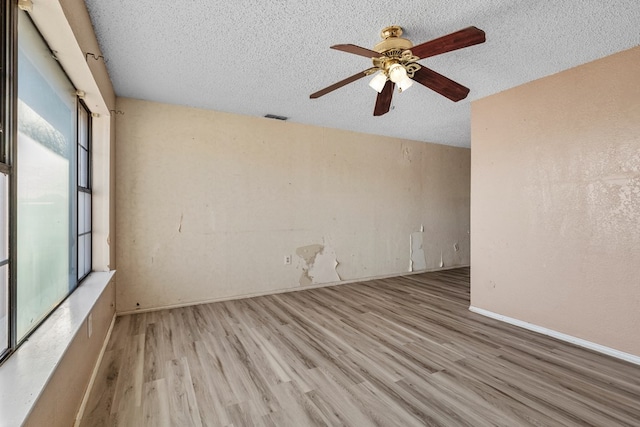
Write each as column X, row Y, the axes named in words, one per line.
column 320, row 263
column 418, row 260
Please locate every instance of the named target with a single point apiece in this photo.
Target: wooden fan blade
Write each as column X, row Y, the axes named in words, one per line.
column 383, row 101
column 463, row 38
column 357, row 50
column 441, row 84
column 341, row 83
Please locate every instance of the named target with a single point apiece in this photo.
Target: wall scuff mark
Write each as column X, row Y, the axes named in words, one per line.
column 417, row 261
column 320, row 263
column 406, row 153
column 180, row 225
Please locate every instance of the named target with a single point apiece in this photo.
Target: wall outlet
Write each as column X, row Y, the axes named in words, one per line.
column 287, row 259
column 90, row 324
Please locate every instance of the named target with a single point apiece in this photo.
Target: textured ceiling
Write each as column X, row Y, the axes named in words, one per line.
column 256, row 57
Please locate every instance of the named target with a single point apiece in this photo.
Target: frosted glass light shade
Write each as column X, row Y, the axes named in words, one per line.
column 405, row 84
column 397, row 73
column 378, row 81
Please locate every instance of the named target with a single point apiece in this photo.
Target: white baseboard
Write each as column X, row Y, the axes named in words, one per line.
column 94, row 373
column 281, row 291
column 559, row 335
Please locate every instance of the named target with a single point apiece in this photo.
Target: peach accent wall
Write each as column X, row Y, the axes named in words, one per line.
column 555, row 202
column 208, row 205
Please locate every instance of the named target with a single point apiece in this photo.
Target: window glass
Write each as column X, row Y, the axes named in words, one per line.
column 4, row 308
column 46, row 180
column 4, row 265
column 4, row 217
column 84, row 191
column 83, row 147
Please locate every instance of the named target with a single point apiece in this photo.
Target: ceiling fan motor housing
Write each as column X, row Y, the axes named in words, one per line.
column 391, row 40
column 394, row 50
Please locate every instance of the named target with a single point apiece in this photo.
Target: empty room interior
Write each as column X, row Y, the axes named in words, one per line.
column 209, row 220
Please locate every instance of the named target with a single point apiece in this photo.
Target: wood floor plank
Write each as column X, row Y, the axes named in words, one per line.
column 512, row 411
column 249, row 378
column 339, row 404
column 153, row 366
column 98, row 409
column 210, row 387
column 385, row 411
column 402, row 351
column 183, row 405
column 296, row 408
column 128, row 390
column 155, row 410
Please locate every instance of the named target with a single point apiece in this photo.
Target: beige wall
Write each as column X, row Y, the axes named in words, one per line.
column 555, row 200
column 209, row 203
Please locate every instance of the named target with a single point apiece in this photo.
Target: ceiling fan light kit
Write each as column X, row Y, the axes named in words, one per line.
column 397, row 56
column 395, row 62
column 378, row 81
column 404, row 84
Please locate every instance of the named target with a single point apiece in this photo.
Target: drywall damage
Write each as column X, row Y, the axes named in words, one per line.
column 418, row 260
column 320, row 265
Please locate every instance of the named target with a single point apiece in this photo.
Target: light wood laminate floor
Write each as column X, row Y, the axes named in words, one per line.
column 403, row 351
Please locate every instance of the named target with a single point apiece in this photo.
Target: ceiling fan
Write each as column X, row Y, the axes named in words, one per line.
column 395, row 62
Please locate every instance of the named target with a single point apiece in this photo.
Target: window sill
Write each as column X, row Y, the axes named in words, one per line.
column 26, row 373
